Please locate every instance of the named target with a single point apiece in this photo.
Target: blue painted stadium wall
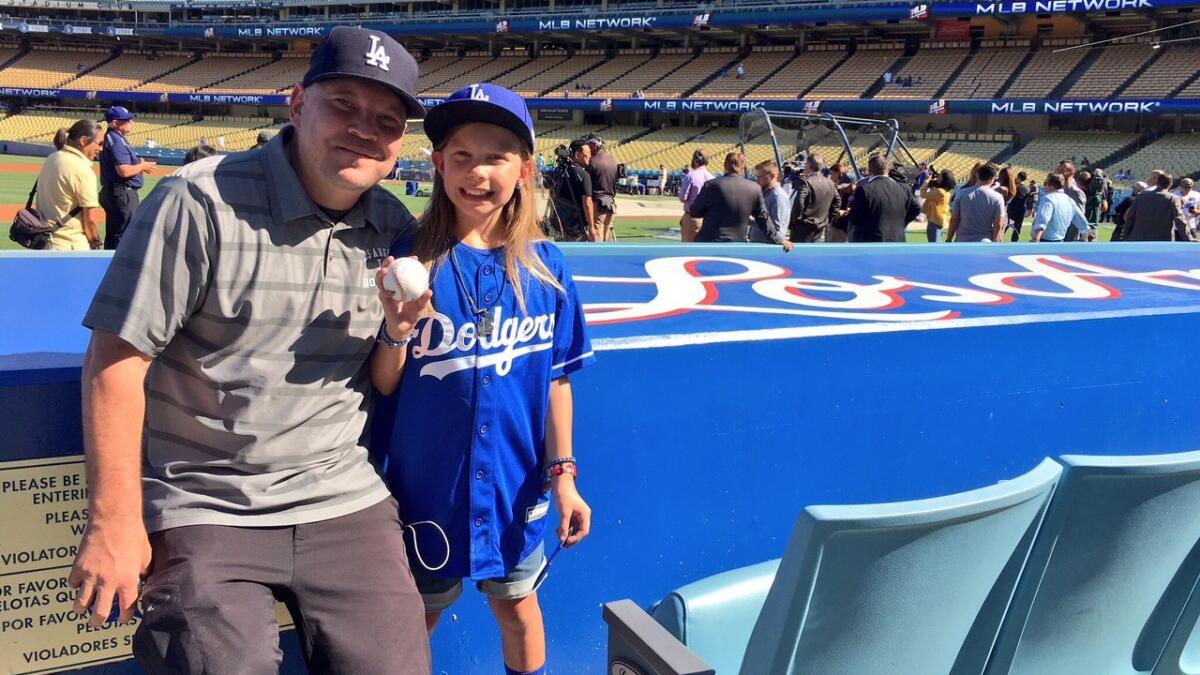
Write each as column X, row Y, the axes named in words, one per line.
column 696, row 458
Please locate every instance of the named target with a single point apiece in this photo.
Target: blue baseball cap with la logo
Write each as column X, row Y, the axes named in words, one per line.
column 118, row 113
column 350, row 51
column 487, row 103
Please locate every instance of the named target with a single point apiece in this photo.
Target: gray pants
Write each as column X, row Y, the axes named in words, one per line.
column 208, row 606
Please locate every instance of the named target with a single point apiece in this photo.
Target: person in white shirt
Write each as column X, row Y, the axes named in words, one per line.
column 1190, row 199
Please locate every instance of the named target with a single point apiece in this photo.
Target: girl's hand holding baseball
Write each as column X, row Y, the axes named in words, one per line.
column 401, row 316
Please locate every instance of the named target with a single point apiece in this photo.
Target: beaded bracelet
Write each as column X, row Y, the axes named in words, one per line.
column 387, row 340
column 558, row 467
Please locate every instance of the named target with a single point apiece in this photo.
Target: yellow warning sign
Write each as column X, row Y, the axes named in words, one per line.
column 44, row 507
column 43, row 511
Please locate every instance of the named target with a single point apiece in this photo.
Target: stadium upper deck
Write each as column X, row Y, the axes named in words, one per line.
column 822, row 71
column 294, row 19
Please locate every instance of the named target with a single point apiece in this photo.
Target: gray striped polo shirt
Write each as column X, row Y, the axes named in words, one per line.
column 260, row 313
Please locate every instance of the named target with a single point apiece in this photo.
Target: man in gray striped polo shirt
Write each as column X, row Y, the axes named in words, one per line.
column 242, row 298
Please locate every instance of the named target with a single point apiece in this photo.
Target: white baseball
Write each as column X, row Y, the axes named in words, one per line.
column 406, row 279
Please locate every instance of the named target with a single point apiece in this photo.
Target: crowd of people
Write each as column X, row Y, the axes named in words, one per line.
column 819, row 203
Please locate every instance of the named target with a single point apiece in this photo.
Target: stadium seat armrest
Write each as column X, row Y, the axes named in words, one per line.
column 644, row 647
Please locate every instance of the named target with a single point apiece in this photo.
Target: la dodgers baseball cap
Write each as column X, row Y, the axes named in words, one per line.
column 485, row 103
column 118, row 113
column 365, row 54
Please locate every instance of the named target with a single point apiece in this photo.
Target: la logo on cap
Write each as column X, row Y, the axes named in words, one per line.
column 377, row 56
column 478, row 94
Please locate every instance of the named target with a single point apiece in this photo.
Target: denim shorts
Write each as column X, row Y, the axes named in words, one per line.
column 441, row 592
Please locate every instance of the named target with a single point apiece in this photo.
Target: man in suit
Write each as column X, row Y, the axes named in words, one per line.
column 728, row 203
column 816, row 203
column 1156, row 216
column 881, row 208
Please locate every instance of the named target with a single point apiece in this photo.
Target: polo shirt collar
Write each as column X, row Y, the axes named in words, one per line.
column 287, row 196
column 75, row 151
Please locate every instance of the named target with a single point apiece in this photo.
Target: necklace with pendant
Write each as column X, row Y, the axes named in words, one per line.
column 483, row 317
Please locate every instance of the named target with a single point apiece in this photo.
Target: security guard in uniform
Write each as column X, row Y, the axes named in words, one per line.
column 120, row 175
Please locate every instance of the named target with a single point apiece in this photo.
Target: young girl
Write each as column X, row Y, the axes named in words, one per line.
column 482, row 422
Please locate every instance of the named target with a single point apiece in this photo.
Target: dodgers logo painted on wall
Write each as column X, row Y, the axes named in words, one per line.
column 693, row 299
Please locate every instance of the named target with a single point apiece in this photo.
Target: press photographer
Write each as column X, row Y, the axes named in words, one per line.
column 572, row 209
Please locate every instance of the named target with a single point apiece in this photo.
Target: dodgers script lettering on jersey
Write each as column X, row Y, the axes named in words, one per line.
column 513, row 337
column 468, row 440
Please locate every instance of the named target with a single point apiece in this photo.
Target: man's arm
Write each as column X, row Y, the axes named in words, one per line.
column 115, row 551
column 1130, row 218
column 858, row 207
column 835, row 205
column 128, row 171
column 1080, row 221
column 126, row 163
column 156, row 281
column 685, row 185
column 911, row 208
column 87, row 199
column 998, row 220
column 90, row 218
column 769, row 219
column 573, row 512
column 701, row 205
column 799, row 202
column 1041, row 218
column 587, row 204
column 1179, row 222
column 955, row 217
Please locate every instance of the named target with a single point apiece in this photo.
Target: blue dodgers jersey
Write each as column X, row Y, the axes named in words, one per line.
column 467, row 444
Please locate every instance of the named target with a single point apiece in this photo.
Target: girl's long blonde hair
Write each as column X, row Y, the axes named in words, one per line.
column 436, row 234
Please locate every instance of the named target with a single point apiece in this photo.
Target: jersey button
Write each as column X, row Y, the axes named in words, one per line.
column 483, row 430
column 487, row 270
column 487, row 298
column 479, row 522
column 487, row 379
column 478, row 475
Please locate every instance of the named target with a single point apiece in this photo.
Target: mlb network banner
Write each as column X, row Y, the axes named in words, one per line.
column 627, row 22
column 683, row 21
column 146, row 97
column 878, row 107
column 867, row 107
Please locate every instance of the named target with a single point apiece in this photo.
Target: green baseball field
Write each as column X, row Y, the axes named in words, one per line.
column 654, row 219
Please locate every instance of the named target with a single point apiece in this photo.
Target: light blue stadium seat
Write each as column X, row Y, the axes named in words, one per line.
column 1109, row 575
column 714, row 616
column 906, row 588
column 1182, row 655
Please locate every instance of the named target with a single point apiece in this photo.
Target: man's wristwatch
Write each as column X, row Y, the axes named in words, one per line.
column 387, row 339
